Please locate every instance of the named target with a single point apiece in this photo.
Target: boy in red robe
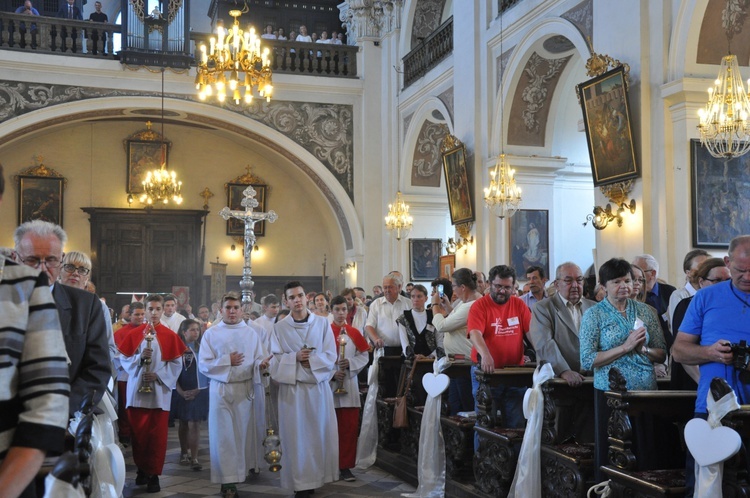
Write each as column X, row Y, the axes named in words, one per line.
column 137, row 315
column 347, row 404
column 157, row 367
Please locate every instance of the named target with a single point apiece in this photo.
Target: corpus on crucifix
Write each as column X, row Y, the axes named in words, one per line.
column 250, row 218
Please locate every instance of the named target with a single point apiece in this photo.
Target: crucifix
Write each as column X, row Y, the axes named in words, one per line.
column 250, row 218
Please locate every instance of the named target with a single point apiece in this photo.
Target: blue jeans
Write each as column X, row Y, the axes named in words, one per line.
column 460, row 395
column 508, row 399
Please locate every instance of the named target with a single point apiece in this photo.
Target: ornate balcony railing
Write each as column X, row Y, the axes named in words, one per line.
column 314, row 59
column 53, row 35
column 428, row 53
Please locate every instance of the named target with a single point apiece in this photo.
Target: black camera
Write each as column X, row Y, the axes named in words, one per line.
column 741, row 355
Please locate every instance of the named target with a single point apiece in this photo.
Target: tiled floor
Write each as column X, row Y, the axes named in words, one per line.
column 182, row 482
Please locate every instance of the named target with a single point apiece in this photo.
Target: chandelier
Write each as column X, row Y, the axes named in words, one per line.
column 503, row 196
column 723, row 122
column 398, row 217
column 160, row 184
column 238, row 53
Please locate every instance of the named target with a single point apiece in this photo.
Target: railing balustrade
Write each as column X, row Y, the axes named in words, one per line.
column 428, row 53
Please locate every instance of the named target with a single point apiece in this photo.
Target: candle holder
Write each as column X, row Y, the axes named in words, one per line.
column 340, row 389
column 147, row 387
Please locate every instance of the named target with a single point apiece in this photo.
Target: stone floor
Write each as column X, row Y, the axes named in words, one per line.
column 182, row 482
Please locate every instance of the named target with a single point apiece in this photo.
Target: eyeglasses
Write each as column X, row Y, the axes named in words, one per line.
column 569, row 281
column 80, row 269
column 34, row 262
column 504, row 288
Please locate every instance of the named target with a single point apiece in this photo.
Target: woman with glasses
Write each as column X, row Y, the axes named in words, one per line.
column 639, row 284
column 76, row 269
column 619, row 332
column 710, row 272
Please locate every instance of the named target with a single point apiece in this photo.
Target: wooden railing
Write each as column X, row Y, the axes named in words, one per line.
column 428, row 53
column 314, row 59
column 54, row 35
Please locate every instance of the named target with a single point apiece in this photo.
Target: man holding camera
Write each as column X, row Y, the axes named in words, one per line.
column 717, row 320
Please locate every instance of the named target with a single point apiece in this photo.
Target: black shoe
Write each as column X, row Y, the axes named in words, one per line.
column 141, row 478
column 153, row 485
column 346, row 475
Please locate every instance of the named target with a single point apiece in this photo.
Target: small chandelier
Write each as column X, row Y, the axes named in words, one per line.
column 233, row 51
column 723, row 122
column 398, row 217
column 503, row 196
column 160, row 184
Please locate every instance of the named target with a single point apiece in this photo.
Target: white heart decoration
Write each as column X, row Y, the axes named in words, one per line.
column 435, row 384
column 709, row 446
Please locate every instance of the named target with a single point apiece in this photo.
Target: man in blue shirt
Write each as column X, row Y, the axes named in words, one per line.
column 26, row 9
column 718, row 316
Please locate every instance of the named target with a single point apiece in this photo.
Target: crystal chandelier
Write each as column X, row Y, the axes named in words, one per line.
column 503, row 196
column 160, row 184
column 238, row 53
column 398, row 217
column 723, row 122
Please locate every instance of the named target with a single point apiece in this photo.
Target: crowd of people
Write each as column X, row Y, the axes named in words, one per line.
column 271, row 33
column 292, row 362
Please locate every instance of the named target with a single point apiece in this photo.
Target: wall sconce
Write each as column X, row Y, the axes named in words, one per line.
column 617, row 194
column 350, row 266
column 463, row 240
column 130, row 200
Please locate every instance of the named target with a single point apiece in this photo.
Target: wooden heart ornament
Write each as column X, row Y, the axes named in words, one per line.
column 435, row 384
column 708, row 445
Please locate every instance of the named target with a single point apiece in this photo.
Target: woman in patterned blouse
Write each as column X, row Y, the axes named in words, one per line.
column 619, row 332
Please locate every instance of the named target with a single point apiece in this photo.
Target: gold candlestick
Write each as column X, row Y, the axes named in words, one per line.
column 147, row 387
column 342, row 353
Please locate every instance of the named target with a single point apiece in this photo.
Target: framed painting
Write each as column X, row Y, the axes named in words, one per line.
column 424, row 257
column 457, row 181
column 447, row 265
column 236, row 227
column 143, row 156
column 529, row 241
column 609, row 130
column 40, row 198
column 720, row 197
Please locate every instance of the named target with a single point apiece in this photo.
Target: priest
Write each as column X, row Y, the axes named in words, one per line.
column 155, row 365
column 230, row 354
column 304, row 359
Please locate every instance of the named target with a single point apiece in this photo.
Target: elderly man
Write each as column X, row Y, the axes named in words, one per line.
column 40, row 243
column 554, row 332
column 690, row 264
column 657, row 294
column 536, row 281
column 482, row 285
column 381, row 325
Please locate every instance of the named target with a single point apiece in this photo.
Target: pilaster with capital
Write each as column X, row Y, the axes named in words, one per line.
column 370, row 18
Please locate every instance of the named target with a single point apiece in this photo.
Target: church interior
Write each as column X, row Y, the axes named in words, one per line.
column 349, row 127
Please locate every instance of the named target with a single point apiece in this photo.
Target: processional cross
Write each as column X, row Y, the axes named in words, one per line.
column 250, row 218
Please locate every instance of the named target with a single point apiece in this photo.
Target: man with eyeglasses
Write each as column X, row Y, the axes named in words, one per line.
column 39, row 244
column 555, row 323
column 717, row 319
column 497, row 323
column 657, row 293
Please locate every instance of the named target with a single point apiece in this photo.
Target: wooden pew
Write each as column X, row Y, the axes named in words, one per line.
column 458, row 432
column 495, row 461
column 629, row 476
column 567, row 466
column 388, row 437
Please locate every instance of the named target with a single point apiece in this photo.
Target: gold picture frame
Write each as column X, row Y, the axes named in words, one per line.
column 457, row 183
column 40, row 194
column 234, row 189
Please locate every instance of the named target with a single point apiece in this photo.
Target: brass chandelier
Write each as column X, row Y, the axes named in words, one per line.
column 237, row 53
column 160, row 184
column 398, row 220
column 503, row 196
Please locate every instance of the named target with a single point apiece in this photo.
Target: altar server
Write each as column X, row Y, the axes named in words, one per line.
column 304, row 359
column 347, row 403
column 230, row 355
column 148, row 412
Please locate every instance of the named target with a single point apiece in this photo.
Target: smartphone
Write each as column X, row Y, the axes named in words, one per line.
column 440, row 290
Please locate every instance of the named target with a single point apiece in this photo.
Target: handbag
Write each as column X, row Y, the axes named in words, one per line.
column 400, row 413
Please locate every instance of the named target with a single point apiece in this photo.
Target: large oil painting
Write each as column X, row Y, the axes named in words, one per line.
column 609, row 134
column 457, row 183
column 529, row 240
column 424, row 255
column 720, row 197
column 144, row 156
column 41, row 198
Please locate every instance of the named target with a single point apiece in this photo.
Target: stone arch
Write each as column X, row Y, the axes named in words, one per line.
column 514, row 70
column 425, row 112
column 56, row 116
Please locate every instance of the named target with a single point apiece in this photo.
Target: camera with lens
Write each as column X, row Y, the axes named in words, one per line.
column 741, row 354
